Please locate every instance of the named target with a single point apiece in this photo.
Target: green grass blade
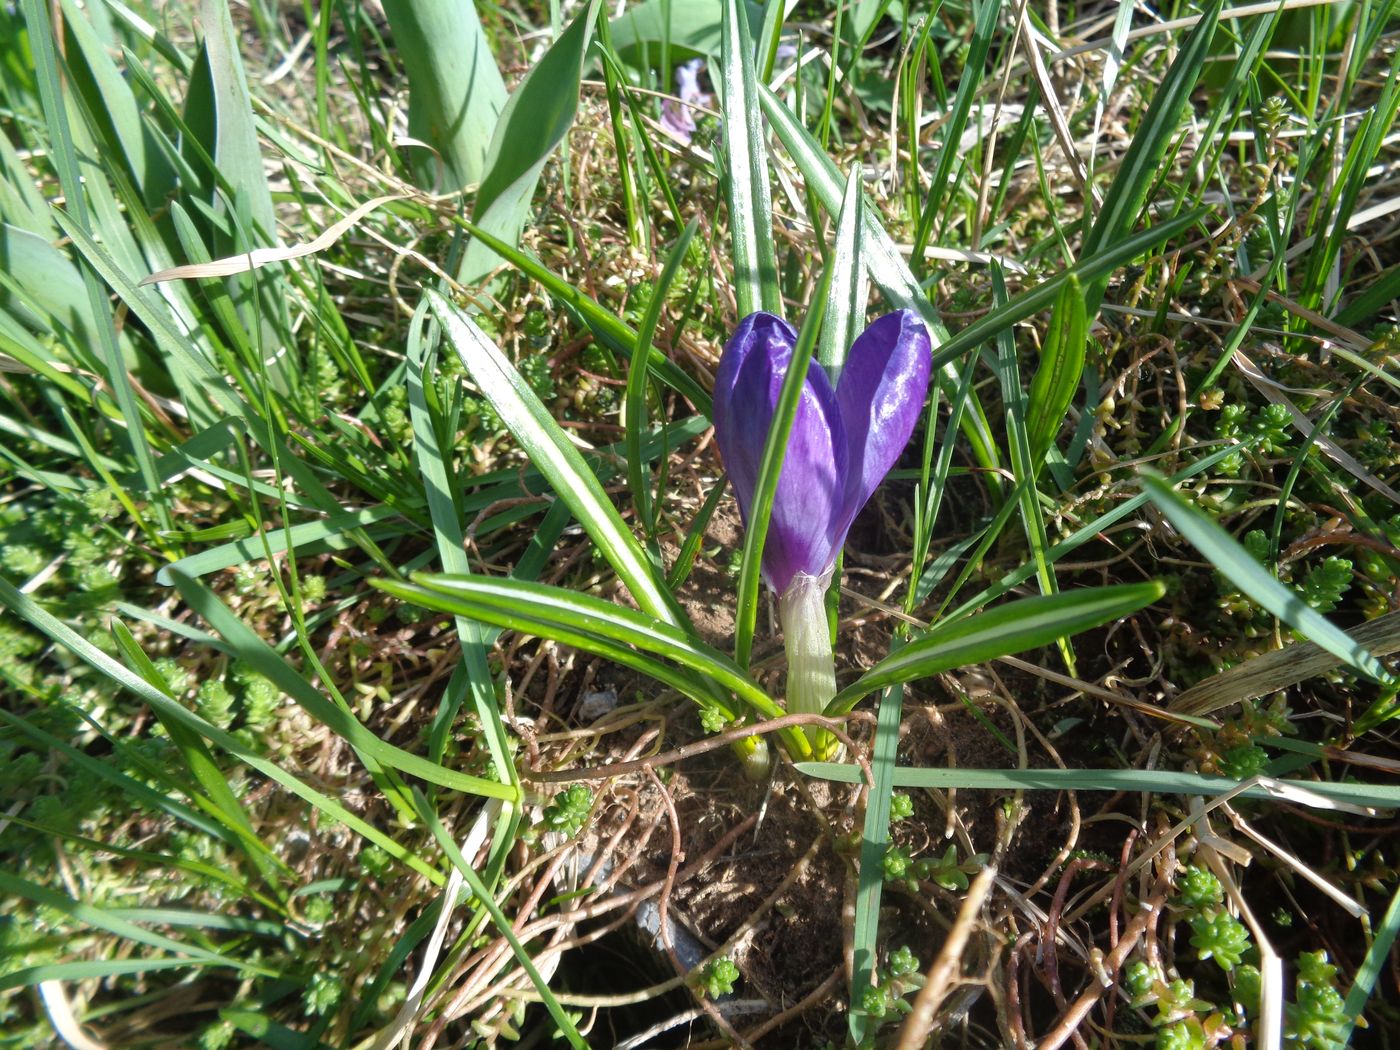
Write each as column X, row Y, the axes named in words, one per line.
column 848, row 291
column 616, row 333
column 556, row 459
column 28, row 610
column 1084, row 534
column 883, row 261
column 436, row 471
column 220, row 797
column 1010, row 628
column 140, row 793
column 1023, row 467
column 600, row 637
column 746, row 159
column 695, row 536
column 635, row 404
column 303, row 538
column 1144, row 160
column 1157, row 781
column 1059, row 373
column 506, row 927
column 103, row 919
column 89, row 968
column 1372, row 966
column 1239, row 567
column 265, row 660
column 1042, row 296
column 984, row 23
column 875, row 840
column 65, row 161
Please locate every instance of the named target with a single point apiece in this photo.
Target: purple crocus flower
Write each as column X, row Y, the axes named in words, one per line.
column 676, row 117
column 846, row 436
column 843, row 440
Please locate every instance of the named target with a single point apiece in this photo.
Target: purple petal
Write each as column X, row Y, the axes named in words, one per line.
column 809, row 498
column 880, row 395
column 676, row 121
column 688, row 81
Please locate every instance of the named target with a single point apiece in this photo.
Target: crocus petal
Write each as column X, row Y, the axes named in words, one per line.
column 809, row 497
column 688, row 81
column 880, row 395
column 676, row 121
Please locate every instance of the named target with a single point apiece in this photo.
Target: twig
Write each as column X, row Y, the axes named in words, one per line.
column 945, row 967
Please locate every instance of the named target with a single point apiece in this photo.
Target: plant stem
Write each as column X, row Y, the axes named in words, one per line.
column 811, row 680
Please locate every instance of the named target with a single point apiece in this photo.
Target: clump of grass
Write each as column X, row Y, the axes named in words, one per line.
column 263, row 787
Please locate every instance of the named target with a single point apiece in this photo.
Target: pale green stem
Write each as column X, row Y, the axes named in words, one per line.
column 811, row 677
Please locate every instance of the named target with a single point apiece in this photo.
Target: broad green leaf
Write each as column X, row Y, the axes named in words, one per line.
column 1011, row 628
column 114, row 105
column 234, row 146
column 455, row 90
column 532, row 125
column 746, row 170
column 40, row 287
column 1240, row 567
column 693, row 28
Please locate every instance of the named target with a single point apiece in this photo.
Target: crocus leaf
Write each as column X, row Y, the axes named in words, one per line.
column 1010, row 628
column 555, row 457
column 693, row 28
column 746, row 161
column 1058, row 375
column 1244, row 571
column 849, row 292
column 568, row 616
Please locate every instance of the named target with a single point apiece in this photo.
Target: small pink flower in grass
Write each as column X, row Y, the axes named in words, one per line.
column 844, row 440
column 677, row 118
